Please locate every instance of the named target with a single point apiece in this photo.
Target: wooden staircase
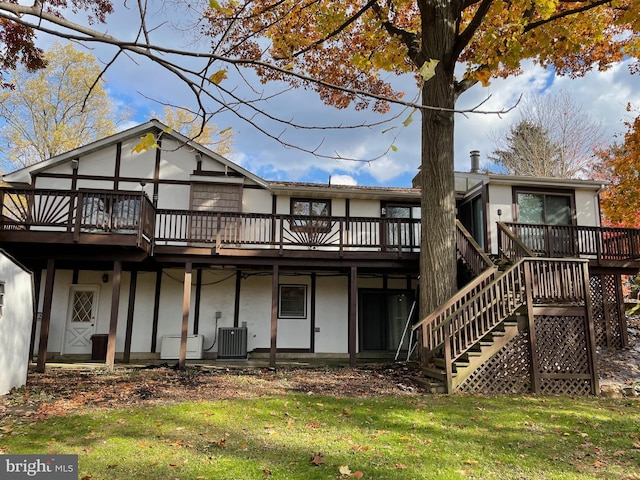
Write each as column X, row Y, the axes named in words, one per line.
column 483, row 317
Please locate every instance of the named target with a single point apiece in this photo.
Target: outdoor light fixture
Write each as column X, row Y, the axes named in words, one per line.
column 499, row 213
column 105, row 277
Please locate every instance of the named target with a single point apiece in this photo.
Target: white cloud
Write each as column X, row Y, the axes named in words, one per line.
column 343, row 180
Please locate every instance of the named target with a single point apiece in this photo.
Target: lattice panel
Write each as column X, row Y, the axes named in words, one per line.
column 606, row 320
column 564, row 386
column 507, row 372
column 610, row 293
column 597, row 306
column 562, row 345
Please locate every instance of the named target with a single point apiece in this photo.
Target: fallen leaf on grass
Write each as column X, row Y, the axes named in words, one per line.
column 317, row 459
column 598, row 464
column 399, row 465
column 357, row 474
column 344, row 470
column 266, row 473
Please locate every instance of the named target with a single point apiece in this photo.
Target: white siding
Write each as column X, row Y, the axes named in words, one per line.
column 15, row 325
column 332, row 310
column 587, row 211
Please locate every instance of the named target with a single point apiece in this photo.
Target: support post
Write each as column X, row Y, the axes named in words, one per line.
column 590, row 330
column 186, row 302
column 353, row 314
column 156, row 311
column 275, row 280
column 113, row 322
column 46, row 315
column 132, row 302
column 533, row 346
column 37, row 284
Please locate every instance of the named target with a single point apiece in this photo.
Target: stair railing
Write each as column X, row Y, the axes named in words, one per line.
column 472, row 253
column 433, row 338
column 510, row 245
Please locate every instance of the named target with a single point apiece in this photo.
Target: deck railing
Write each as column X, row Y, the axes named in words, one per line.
column 510, row 246
column 236, row 230
column 85, row 211
column 479, row 308
column 601, row 243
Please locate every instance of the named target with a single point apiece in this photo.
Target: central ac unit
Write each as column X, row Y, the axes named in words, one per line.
column 232, row 343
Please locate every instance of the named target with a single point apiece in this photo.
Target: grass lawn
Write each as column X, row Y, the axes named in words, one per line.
column 298, row 436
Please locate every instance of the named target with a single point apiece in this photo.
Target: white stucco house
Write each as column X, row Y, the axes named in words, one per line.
column 16, row 318
column 177, row 252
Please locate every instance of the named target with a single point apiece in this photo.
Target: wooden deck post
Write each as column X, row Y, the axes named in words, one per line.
column 37, row 284
column 590, row 331
column 186, row 303
column 533, row 346
column 132, row 301
column 46, row 315
column 156, row 311
column 353, row 314
column 113, row 322
column 275, row 280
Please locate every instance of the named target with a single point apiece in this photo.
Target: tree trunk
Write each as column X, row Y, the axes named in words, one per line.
column 438, row 251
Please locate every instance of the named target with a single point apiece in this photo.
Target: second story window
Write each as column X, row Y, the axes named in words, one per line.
column 305, row 209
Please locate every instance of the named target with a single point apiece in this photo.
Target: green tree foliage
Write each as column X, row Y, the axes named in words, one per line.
column 620, row 201
column 56, row 109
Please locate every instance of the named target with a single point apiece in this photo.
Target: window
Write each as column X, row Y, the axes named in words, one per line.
column 545, row 208
column 401, row 233
column 292, row 301
column 311, row 208
column 1, row 299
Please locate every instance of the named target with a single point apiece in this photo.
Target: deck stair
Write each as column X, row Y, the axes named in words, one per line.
column 503, row 301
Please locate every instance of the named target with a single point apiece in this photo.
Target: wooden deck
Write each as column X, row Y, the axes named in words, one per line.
column 129, row 219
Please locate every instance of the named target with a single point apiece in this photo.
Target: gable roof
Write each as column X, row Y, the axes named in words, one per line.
column 23, row 175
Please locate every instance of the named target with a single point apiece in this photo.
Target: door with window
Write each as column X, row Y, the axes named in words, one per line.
column 383, row 318
column 81, row 319
column 549, row 214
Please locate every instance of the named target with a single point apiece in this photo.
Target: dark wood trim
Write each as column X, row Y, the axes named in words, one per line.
column 275, row 281
column 133, row 282
column 215, row 173
column 486, row 211
column 113, row 321
column 556, row 311
column 156, row 312
column 353, row 315
column 312, row 314
column 116, row 172
column 590, row 331
column 385, row 281
column 621, row 312
column 37, row 285
column 282, row 350
column 74, row 175
column 46, row 315
column 533, row 347
column 274, row 212
column 347, row 212
column 196, row 307
column 236, row 300
column 75, row 275
column 156, row 174
column 186, row 304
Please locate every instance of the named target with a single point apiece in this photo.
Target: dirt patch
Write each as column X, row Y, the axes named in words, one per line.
column 69, row 389
column 619, row 370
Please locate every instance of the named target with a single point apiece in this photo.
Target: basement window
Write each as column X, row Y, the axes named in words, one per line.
column 292, row 301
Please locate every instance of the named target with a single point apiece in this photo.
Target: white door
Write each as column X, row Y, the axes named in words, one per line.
column 81, row 319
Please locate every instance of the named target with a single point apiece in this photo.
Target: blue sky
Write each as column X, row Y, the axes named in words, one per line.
column 137, row 83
